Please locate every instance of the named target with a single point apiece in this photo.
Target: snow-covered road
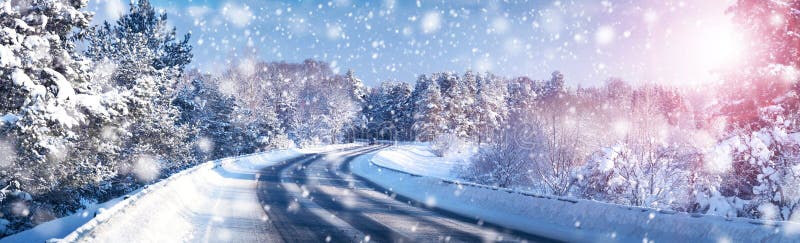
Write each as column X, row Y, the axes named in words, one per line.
column 306, row 198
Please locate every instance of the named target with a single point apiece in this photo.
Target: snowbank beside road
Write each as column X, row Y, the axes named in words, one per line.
column 559, row 218
column 419, row 160
column 167, row 196
column 62, row 226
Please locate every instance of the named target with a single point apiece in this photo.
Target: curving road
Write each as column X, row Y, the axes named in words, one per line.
column 312, row 198
column 316, row 199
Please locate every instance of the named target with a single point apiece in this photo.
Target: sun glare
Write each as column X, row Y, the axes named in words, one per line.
column 695, row 49
column 718, row 47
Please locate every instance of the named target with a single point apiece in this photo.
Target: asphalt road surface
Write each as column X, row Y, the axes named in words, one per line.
column 315, row 198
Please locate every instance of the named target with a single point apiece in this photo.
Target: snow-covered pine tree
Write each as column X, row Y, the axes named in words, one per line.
column 142, row 25
column 149, row 62
column 345, row 105
column 202, row 105
column 522, row 94
column 401, row 110
column 489, row 111
column 356, row 87
column 389, row 111
column 468, row 86
column 370, row 113
column 777, row 44
column 454, row 96
column 428, row 109
column 258, row 96
column 28, row 70
column 555, row 86
column 40, row 70
column 53, row 112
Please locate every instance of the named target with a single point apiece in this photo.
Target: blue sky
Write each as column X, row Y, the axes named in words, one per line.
column 676, row 42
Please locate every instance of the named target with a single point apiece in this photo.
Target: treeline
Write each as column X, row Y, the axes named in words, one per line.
column 471, row 105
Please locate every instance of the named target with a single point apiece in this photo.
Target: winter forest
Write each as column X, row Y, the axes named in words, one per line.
column 91, row 111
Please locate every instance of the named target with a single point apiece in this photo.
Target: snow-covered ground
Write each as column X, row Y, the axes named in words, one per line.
column 63, row 226
column 168, row 198
column 409, row 170
column 416, row 158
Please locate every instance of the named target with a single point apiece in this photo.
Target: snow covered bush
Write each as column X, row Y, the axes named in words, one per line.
column 756, row 163
column 763, row 168
column 597, row 179
column 650, row 176
column 503, row 163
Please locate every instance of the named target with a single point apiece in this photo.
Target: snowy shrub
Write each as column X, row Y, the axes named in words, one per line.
column 638, row 176
column 503, row 163
column 762, row 167
column 597, row 180
column 711, row 202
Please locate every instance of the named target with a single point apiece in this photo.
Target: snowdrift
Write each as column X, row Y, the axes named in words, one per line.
column 405, row 172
